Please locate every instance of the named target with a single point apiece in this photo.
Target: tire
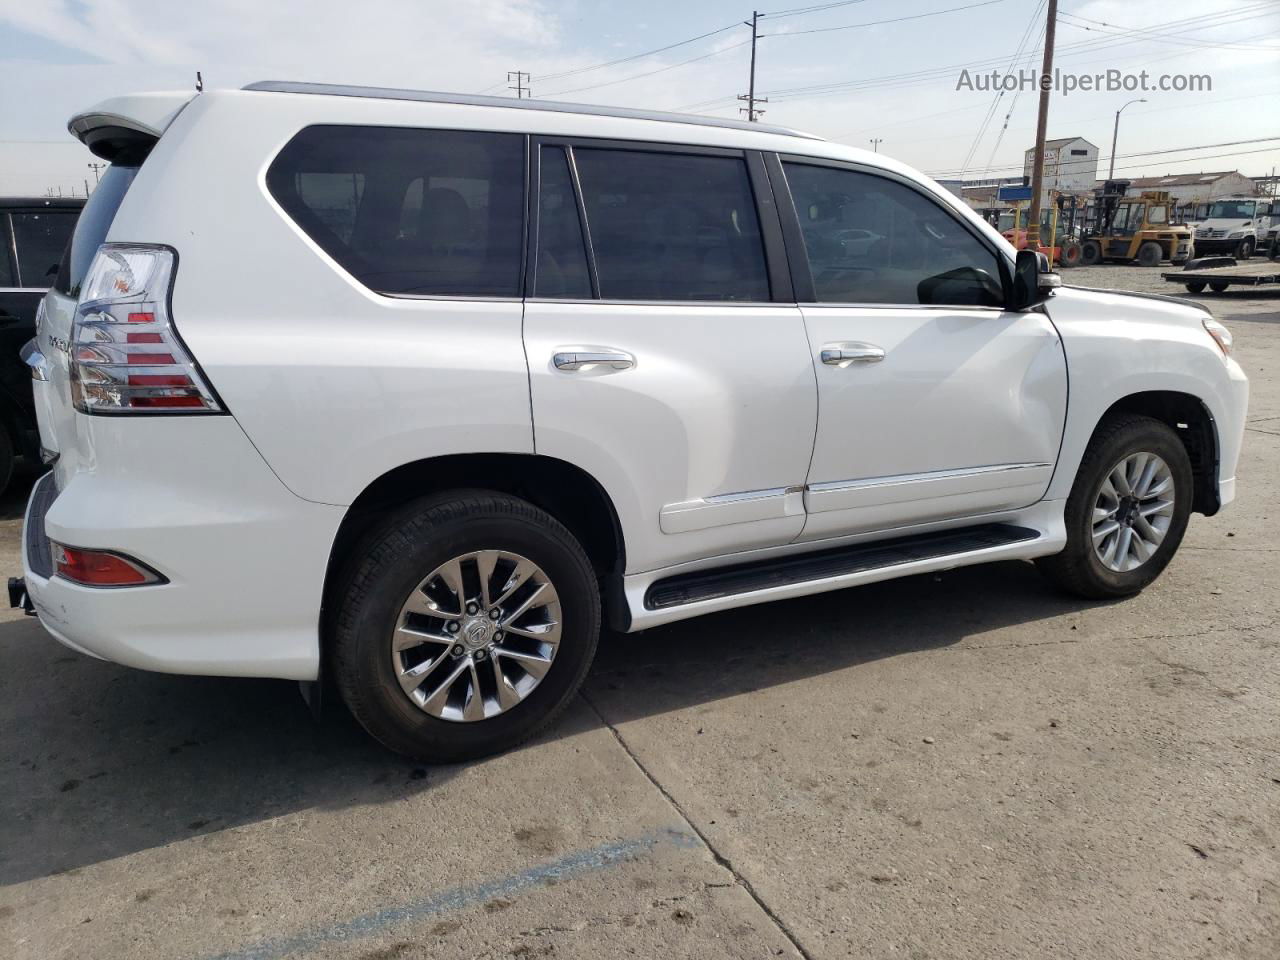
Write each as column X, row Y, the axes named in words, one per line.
column 1079, row 569
column 1150, row 254
column 6, row 458
column 1196, row 286
column 1217, row 286
column 386, row 572
column 1245, row 250
column 1070, row 253
column 1090, row 253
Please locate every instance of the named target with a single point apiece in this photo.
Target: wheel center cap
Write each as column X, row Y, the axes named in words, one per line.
column 477, row 633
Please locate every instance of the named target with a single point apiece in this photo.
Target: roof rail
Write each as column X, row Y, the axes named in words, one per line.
column 476, row 100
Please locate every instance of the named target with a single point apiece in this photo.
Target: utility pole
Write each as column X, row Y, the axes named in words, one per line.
column 1042, row 123
column 95, row 167
column 750, row 96
column 86, row 186
column 875, row 144
column 521, row 79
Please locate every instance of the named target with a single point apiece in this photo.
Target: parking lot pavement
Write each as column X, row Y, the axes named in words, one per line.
column 957, row 766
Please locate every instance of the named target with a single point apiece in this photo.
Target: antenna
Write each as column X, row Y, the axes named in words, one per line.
column 199, row 82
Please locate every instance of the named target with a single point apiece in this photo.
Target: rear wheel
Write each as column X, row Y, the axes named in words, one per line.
column 1196, row 286
column 1217, row 286
column 1070, row 254
column 464, row 626
column 1150, row 254
column 1090, row 253
column 1127, row 510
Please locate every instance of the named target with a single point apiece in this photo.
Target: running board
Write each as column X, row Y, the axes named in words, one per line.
column 823, row 565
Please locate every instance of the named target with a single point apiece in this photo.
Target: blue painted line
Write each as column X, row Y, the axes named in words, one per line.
column 369, row 924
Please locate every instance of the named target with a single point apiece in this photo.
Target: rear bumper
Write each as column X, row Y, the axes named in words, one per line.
column 245, row 559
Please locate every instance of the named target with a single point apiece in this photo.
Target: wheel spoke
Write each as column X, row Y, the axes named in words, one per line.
column 1120, row 481
column 522, row 572
column 420, row 603
column 1123, row 540
column 1104, row 530
column 486, row 561
column 451, row 574
column 473, row 706
column 434, row 703
column 542, row 632
column 407, row 637
column 533, row 664
column 1156, row 507
column 1147, row 534
column 525, row 605
column 1162, row 485
column 508, row 697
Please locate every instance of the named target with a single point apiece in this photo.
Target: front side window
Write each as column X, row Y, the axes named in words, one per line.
column 40, row 239
column 410, row 211
column 672, row 226
column 873, row 240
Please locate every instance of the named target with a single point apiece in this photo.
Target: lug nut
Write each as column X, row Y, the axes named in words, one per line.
column 457, row 651
column 452, row 626
column 473, row 609
column 480, row 654
column 495, row 614
column 497, row 636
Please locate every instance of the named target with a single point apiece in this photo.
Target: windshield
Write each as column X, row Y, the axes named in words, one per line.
column 91, row 229
column 1232, row 210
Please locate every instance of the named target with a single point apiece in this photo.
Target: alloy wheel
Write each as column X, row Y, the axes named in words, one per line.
column 1133, row 511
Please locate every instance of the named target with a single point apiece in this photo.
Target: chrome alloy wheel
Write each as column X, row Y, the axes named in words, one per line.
column 476, row 636
column 1133, row 511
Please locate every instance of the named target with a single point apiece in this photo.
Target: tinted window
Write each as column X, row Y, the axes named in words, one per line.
column 668, row 226
column 7, row 278
column 92, row 227
column 562, row 255
column 436, row 212
column 873, row 240
column 41, row 238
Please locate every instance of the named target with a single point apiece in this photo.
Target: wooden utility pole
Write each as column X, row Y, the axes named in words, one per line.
column 1042, row 123
column 521, row 78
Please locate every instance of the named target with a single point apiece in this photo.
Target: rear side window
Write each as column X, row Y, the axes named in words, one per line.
column 672, row 226
column 40, row 239
column 92, row 227
column 409, row 211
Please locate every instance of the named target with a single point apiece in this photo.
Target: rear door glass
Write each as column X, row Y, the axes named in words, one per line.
column 410, row 211
column 40, row 239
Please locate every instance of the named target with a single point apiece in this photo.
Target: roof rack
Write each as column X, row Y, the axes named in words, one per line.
column 475, row 100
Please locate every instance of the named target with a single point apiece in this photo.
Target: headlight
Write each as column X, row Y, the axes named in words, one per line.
column 1236, row 235
column 1221, row 335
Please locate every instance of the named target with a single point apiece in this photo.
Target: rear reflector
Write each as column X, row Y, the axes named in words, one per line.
column 97, row 568
column 126, row 356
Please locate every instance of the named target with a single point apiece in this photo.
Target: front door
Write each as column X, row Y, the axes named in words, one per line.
column 934, row 402
column 664, row 358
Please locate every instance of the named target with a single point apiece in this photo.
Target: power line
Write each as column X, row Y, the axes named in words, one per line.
column 1155, row 153
column 1150, row 34
column 641, row 76
column 634, row 56
column 817, row 8
column 876, row 23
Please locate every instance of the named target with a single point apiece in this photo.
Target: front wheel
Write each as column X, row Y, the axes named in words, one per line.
column 1150, row 254
column 1196, row 286
column 1245, row 250
column 1090, row 253
column 464, row 626
column 1217, row 286
column 1127, row 510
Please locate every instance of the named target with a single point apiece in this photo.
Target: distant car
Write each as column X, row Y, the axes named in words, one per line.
column 35, row 233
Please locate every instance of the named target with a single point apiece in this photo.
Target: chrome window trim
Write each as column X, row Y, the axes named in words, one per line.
column 41, row 290
column 977, row 308
column 831, row 486
column 665, row 303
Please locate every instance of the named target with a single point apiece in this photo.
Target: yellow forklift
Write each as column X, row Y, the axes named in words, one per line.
column 1126, row 229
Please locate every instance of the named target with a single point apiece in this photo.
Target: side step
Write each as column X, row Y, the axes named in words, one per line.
column 841, row 561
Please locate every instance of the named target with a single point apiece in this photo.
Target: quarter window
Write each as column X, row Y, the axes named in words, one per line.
column 672, row 226
column 410, row 211
column 872, row 240
column 562, row 254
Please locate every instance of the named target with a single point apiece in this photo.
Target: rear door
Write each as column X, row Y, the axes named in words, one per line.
column 934, row 402
column 666, row 354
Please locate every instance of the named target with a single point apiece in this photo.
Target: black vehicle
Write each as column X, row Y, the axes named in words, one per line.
column 35, row 231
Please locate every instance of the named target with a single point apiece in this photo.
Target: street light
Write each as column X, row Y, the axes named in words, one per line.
column 1115, row 135
column 875, row 143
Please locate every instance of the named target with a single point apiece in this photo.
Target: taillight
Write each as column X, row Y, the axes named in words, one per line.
column 101, row 568
column 126, row 356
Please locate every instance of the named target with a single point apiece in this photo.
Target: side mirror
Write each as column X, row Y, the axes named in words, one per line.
column 1032, row 281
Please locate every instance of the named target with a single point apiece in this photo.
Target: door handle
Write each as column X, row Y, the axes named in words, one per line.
column 843, row 354
column 577, row 358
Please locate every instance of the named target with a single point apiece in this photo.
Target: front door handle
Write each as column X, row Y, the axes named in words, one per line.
column 578, row 358
column 843, row 354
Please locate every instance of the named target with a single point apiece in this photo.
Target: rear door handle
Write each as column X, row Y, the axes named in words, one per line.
column 852, row 351
column 579, row 358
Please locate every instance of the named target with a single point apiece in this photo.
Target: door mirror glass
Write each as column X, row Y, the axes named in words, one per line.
column 1032, row 280
column 964, row 286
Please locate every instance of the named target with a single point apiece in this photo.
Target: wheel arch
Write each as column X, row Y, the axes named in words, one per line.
column 564, row 490
column 1189, row 417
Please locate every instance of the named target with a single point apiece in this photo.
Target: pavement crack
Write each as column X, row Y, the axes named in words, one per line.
column 719, row 857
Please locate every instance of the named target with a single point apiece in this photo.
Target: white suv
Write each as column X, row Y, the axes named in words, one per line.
column 410, row 391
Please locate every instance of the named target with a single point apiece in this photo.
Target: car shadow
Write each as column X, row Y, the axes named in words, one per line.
column 101, row 761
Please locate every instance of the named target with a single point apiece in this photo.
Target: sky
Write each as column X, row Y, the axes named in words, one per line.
column 834, row 69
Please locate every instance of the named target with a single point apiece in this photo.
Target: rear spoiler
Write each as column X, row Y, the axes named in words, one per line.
column 124, row 129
